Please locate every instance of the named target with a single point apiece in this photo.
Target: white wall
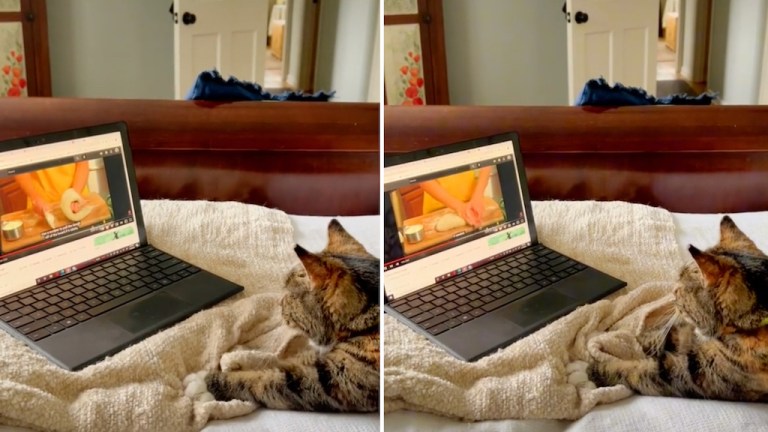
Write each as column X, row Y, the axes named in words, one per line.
column 506, row 52
column 111, row 48
column 736, row 53
column 344, row 56
column 124, row 49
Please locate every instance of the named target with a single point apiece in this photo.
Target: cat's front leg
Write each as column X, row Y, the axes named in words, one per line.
column 649, row 376
column 286, row 388
column 248, row 360
column 196, row 388
column 223, row 386
column 240, row 385
column 365, row 321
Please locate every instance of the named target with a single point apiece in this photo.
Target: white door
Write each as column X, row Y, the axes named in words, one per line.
column 228, row 35
column 615, row 39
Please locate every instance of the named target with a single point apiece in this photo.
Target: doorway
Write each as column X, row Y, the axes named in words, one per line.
column 682, row 47
column 292, row 40
column 276, row 31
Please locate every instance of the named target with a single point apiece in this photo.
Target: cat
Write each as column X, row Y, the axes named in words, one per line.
column 333, row 297
column 713, row 341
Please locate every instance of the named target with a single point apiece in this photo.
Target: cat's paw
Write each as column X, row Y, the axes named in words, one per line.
column 195, row 387
column 242, row 360
column 577, row 375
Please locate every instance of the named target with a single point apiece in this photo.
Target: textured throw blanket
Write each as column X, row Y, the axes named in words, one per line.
column 141, row 387
column 529, row 379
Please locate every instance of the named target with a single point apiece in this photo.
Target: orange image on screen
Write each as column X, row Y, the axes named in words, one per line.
column 32, row 203
column 435, row 211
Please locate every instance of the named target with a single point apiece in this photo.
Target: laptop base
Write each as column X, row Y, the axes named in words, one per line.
column 95, row 339
column 519, row 318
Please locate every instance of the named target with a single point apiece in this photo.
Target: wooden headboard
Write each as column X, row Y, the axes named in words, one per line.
column 323, row 158
column 306, row 158
column 685, row 159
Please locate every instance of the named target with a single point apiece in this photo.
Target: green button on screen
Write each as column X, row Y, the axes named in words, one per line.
column 509, row 235
column 114, row 235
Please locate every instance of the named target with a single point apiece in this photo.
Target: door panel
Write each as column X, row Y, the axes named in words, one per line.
column 615, row 39
column 228, row 35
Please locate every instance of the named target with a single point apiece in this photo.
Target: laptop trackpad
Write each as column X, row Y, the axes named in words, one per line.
column 152, row 311
column 537, row 308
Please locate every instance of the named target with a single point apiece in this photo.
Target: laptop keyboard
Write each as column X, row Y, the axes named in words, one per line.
column 463, row 298
column 40, row 312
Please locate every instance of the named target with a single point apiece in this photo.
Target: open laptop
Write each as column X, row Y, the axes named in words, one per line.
column 475, row 284
column 82, row 283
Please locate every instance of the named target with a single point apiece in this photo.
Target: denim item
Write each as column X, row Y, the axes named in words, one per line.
column 210, row 86
column 597, row 92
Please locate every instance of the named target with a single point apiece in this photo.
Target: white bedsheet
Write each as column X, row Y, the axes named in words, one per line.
column 637, row 413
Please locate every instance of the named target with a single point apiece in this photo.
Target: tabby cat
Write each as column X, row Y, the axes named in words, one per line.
column 333, row 297
column 713, row 342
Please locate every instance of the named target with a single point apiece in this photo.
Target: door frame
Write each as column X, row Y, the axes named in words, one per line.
column 698, row 69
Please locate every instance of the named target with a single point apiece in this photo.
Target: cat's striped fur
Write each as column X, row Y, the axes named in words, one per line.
column 713, row 342
column 333, row 297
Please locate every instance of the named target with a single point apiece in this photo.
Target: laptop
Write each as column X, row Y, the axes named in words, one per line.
column 78, row 279
column 466, row 269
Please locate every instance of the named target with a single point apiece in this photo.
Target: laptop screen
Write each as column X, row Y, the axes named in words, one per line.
column 64, row 205
column 449, row 213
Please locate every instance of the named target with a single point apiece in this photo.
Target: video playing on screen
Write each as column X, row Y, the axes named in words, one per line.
column 49, row 205
column 432, row 215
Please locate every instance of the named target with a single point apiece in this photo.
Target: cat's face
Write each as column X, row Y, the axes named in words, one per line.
column 726, row 287
column 329, row 290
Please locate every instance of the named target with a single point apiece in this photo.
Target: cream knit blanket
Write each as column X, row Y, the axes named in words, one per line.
column 529, row 379
column 141, row 387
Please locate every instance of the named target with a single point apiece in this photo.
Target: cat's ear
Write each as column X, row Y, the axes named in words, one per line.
column 733, row 238
column 314, row 266
column 711, row 267
column 341, row 243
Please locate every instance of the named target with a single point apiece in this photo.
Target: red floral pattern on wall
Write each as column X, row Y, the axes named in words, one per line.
column 412, row 80
column 13, row 76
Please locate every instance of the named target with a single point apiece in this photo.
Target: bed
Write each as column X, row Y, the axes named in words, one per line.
column 672, row 171
column 275, row 173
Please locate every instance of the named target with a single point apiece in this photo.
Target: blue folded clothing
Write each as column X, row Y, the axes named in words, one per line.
column 210, row 86
column 597, row 92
